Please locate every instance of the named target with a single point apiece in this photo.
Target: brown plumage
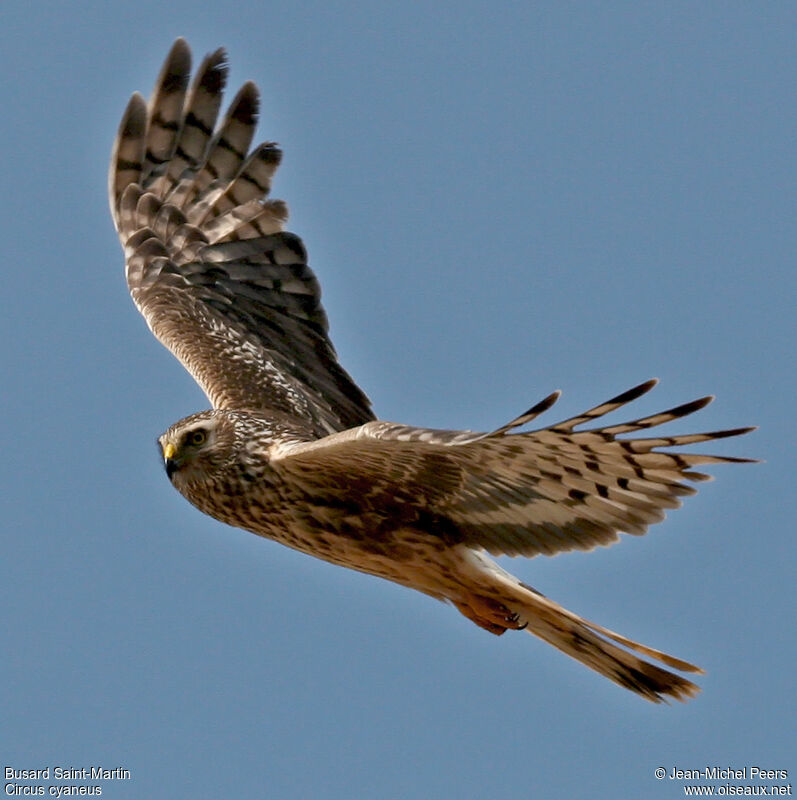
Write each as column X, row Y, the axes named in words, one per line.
column 291, row 449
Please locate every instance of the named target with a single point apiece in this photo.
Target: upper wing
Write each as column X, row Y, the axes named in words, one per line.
column 208, row 265
column 545, row 491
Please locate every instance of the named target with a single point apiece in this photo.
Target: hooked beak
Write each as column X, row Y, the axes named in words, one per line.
column 169, row 461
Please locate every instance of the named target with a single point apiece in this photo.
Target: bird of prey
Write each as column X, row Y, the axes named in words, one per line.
column 291, row 449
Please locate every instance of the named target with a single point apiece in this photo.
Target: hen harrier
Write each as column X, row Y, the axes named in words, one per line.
column 292, row 450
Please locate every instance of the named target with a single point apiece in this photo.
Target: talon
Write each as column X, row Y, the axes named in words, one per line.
column 513, row 622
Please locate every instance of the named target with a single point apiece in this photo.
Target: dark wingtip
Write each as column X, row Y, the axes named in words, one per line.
column 269, row 153
column 690, row 407
column 732, row 432
column 176, row 67
column 212, row 74
column 180, row 52
column 544, row 404
column 134, row 119
column 246, row 104
column 636, row 391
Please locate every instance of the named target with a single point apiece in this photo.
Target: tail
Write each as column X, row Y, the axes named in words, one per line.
column 588, row 643
column 515, row 605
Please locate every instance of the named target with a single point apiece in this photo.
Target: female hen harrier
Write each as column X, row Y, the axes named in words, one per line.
column 291, row 449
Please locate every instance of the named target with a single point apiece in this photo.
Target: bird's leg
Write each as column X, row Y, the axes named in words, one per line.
column 492, row 615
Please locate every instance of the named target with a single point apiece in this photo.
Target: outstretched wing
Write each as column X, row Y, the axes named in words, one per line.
column 208, row 264
column 541, row 492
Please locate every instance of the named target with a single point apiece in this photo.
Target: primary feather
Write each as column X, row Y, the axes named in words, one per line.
column 208, row 264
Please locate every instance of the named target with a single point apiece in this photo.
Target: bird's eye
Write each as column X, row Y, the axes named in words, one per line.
column 197, row 437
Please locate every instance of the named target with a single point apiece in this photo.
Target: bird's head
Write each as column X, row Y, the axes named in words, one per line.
column 197, row 448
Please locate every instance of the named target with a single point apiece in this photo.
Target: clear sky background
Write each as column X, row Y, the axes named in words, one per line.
column 500, row 199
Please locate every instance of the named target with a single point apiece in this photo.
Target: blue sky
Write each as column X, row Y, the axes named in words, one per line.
column 499, row 200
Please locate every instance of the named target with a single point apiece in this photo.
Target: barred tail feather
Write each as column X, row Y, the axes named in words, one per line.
column 581, row 639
